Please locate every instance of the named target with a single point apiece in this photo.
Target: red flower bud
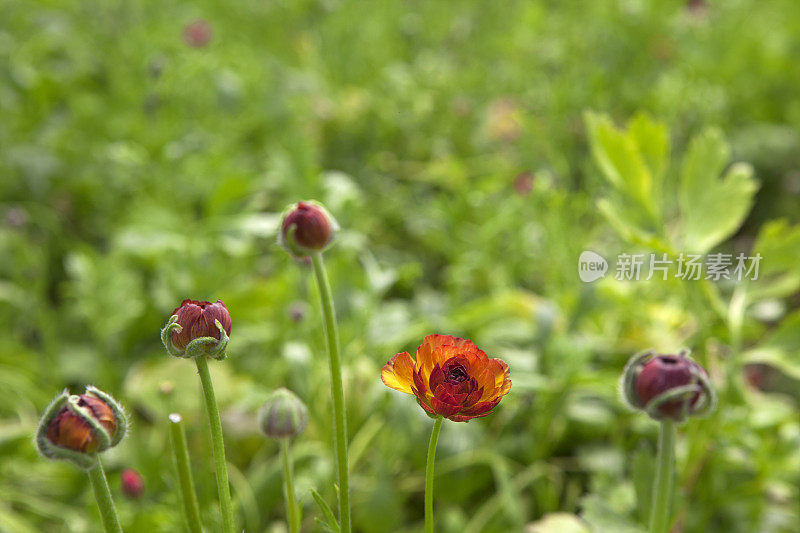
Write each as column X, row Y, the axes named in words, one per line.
column 668, row 386
column 664, row 373
column 132, row 483
column 69, row 430
column 197, row 320
column 75, row 428
column 306, row 228
column 197, row 33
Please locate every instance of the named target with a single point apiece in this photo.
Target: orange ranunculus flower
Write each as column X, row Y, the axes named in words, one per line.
column 451, row 377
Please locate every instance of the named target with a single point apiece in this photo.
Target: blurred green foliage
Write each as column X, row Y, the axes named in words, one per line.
column 450, row 141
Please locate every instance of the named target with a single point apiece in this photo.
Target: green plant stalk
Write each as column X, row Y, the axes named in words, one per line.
column 735, row 320
column 291, row 505
column 218, row 445
column 662, row 485
column 437, row 426
column 108, row 513
column 337, row 390
column 190, row 507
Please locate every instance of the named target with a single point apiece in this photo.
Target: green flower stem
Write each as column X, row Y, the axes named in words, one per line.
column 337, row 390
column 736, row 311
column 217, row 444
column 190, row 507
column 662, row 485
column 103, row 496
column 437, row 426
column 292, row 516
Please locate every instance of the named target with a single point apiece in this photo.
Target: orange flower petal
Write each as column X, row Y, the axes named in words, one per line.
column 420, row 387
column 495, row 380
column 398, row 373
column 502, row 376
column 429, row 352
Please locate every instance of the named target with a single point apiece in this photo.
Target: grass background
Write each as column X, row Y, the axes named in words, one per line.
column 136, row 171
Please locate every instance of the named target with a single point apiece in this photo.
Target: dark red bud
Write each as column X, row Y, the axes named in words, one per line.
column 197, row 320
column 664, row 373
column 313, row 231
column 523, row 183
column 69, row 430
column 132, row 483
column 697, row 8
column 197, row 33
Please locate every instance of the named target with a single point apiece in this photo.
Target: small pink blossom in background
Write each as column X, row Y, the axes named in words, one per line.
column 198, row 33
column 523, row 183
column 698, row 8
column 132, row 483
column 16, row 217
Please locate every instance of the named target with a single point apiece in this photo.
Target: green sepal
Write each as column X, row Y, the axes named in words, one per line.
column 209, row 346
column 708, row 396
column 290, row 245
column 120, row 416
column 50, row 413
column 166, row 337
column 683, row 393
column 84, row 461
column 627, row 382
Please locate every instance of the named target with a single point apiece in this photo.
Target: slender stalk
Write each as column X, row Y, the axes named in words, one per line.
column 108, row 513
column 736, row 310
column 292, row 516
column 190, row 507
column 218, row 445
column 437, row 426
column 662, row 485
column 337, row 390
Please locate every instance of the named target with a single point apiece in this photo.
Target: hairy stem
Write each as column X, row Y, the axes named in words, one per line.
column 108, row 513
column 662, row 484
column 337, row 390
column 437, row 426
column 218, row 445
column 292, row 516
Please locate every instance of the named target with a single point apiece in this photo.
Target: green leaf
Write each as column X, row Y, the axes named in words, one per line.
column 603, row 517
column 652, row 139
column 712, row 208
column 632, row 161
column 330, row 523
column 325, row 526
column 779, row 268
column 780, row 348
column 627, row 226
